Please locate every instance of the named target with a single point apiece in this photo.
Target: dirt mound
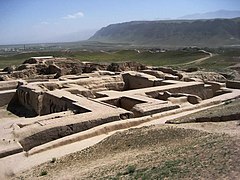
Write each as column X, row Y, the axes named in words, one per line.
column 45, row 68
column 90, row 67
column 229, row 111
column 149, row 153
column 204, row 76
column 126, row 66
column 9, row 69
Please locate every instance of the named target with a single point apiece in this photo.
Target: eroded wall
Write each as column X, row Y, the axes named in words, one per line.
column 139, row 80
column 197, row 89
column 30, row 99
column 54, row 104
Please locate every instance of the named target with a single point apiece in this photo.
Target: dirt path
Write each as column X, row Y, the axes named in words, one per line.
column 197, row 61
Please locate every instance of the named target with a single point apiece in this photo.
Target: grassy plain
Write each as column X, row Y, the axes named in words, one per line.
column 221, row 60
column 161, row 58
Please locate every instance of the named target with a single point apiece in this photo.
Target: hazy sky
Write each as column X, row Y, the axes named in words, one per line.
column 27, row 21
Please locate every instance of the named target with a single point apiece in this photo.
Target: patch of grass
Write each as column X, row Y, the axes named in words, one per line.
column 222, row 60
column 156, row 59
column 217, row 63
column 43, row 173
column 130, row 170
column 53, row 160
column 169, row 169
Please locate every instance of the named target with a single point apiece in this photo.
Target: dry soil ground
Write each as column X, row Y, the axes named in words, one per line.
column 6, row 114
column 155, row 152
column 207, row 150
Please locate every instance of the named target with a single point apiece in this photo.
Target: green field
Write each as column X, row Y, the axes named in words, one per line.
column 222, row 59
column 161, row 58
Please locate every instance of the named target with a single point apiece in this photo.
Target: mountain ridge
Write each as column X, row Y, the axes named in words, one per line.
column 212, row 32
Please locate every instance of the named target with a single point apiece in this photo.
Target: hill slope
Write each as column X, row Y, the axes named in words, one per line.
column 215, row 32
column 156, row 152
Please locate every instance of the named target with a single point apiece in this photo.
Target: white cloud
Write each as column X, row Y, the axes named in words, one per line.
column 44, row 23
column 74, row 16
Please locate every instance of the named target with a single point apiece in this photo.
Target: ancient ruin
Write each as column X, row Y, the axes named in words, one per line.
column 55, row 99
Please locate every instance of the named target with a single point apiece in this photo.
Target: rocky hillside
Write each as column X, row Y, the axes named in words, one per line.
column 215, row 32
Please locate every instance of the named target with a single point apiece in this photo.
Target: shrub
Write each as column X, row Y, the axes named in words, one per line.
column 53, row 160
column 130, row 170
column 43, row 173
